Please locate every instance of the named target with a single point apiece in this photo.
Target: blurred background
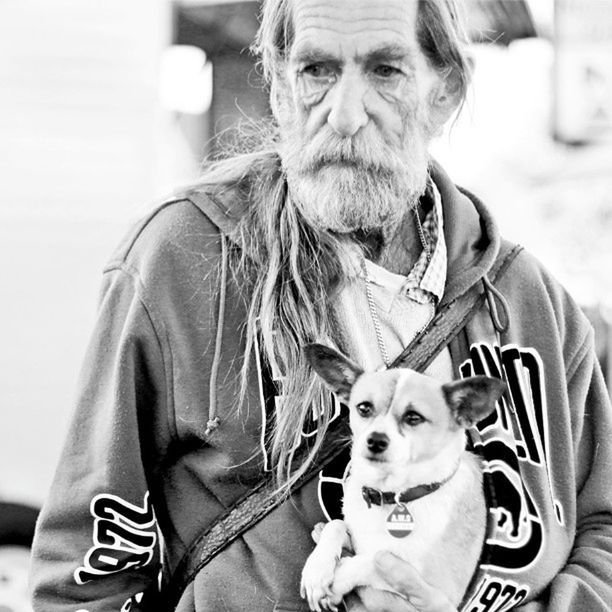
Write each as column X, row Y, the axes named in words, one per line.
column 106, row 106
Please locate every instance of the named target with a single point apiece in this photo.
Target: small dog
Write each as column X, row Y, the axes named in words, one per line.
column 413, row 489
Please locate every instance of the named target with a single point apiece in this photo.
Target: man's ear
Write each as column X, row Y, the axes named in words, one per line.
column 472, row 399
column 338, row 371
column 446, row 98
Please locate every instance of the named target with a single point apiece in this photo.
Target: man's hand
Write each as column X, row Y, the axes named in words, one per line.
column 416, row 594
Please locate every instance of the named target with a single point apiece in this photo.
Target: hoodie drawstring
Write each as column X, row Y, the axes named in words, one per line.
column 495, row 297
column 213, row 419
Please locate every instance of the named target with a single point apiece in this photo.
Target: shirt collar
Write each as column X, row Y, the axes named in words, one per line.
column 433, row 279
column 427, row 278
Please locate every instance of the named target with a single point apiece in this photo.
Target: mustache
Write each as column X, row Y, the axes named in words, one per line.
column 366, row 151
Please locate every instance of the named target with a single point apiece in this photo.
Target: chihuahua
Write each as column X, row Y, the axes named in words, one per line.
column 413, row 488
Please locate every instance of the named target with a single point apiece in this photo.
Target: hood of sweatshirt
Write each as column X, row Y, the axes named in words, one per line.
column 472, row 237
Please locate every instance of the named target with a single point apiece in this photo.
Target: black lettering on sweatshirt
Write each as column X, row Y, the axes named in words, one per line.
column 124, row 537
column 513, row 436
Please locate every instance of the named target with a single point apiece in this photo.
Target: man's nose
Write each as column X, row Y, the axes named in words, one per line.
column 348, row 114
column 377, row 442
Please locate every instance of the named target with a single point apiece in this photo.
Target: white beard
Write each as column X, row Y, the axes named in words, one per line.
column 344, row 184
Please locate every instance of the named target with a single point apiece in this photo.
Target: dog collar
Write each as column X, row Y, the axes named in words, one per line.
column 381, row 498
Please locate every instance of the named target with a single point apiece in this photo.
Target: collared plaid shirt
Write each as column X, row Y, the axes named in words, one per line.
column 428, row 278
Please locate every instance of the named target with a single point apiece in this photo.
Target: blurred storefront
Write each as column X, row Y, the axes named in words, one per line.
column 225, row 32
column 583, row 71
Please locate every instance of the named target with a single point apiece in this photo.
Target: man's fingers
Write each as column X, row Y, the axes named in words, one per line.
column 404, row 579
column 401, row 576
column 375, row 600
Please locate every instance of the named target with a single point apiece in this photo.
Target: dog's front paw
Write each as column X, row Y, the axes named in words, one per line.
column 317, row 579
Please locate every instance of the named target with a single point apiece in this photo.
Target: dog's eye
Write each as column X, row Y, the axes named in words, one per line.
column 413, row 418
column 364, row 409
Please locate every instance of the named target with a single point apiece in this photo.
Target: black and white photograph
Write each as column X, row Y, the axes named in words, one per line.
column 306, row 305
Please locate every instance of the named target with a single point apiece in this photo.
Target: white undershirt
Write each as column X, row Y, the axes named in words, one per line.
column 401, row 319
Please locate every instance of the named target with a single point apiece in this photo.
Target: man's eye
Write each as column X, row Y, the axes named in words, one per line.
column 385, row 71
column 317, row 71
column 412, row 418
column 364, row 409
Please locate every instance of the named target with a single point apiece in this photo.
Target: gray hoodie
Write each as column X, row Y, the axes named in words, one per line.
column 165, row 357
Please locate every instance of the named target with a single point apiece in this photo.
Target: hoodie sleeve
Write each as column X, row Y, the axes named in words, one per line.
column 97, row 542
column 585, row 583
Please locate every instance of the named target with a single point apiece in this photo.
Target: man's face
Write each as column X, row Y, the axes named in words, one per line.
column 355, row 112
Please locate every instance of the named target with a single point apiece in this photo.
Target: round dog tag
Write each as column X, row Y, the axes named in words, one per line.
column 400, row 522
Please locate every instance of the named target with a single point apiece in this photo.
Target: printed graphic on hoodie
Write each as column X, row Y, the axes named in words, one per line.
column 515, row 435
column 271, row 398
column 124, row 536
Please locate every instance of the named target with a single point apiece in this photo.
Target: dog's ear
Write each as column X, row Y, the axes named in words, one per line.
column 338, row 371
column 472, row 399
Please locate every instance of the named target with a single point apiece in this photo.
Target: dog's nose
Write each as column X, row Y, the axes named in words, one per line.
column 377, row 442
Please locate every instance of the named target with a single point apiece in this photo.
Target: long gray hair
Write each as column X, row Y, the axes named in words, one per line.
column 288, row 269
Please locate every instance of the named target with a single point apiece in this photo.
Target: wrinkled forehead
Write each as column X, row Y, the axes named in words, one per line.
column 357, row 25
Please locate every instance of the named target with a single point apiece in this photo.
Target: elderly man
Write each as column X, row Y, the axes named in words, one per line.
column 339, row 229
